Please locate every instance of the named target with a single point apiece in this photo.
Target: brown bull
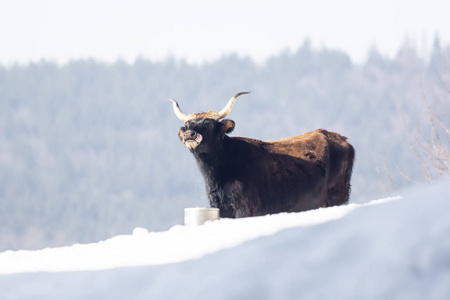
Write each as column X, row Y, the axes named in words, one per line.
column 247, row 177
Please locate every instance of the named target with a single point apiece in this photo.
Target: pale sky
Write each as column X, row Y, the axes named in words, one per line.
column 204, row 30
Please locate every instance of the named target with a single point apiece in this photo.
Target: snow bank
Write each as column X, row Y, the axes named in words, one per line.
column 394, row 250
column 153, row 248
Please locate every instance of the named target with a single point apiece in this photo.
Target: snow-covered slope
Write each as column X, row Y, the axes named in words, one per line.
column 153, row 248
column 398, row 248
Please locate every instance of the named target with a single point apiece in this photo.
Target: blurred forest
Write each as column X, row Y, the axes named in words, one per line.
column 89, row 150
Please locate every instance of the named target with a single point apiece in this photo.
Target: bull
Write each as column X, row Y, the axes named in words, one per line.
column 248, row 177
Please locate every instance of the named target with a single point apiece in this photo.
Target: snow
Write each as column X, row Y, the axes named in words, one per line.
column 395, row 248
column 178, row 244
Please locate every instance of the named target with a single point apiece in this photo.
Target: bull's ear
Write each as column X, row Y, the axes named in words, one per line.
column 227, row 126
column 181, row 133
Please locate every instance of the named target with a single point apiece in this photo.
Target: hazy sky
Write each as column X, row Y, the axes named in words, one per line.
column 201, row 30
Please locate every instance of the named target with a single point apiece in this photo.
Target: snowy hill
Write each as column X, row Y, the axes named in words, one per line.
column 396, row 248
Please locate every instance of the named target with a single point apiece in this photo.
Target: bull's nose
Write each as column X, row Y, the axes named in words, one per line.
column 190, row 135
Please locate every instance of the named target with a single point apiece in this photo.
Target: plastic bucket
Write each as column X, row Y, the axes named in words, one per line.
column 198, row 216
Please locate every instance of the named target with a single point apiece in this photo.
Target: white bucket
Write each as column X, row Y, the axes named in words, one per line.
column 198, row 216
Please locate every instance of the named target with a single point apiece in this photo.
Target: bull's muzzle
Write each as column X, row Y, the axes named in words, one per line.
column 192, row 139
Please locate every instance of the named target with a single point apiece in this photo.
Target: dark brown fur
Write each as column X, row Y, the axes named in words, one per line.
column 248, row 177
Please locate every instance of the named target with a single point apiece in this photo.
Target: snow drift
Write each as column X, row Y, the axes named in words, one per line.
column 397, row 248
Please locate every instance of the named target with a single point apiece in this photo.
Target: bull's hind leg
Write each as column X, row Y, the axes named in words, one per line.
column 340, row 193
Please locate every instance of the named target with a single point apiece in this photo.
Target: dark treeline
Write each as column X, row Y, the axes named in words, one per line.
column 90, row 150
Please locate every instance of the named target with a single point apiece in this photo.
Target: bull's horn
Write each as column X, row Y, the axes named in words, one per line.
column 178, row 112
column 224, row 112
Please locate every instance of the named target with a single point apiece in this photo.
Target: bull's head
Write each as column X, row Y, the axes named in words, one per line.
column 205, row 130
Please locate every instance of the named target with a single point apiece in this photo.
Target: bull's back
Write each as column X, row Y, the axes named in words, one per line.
column 311, row 146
